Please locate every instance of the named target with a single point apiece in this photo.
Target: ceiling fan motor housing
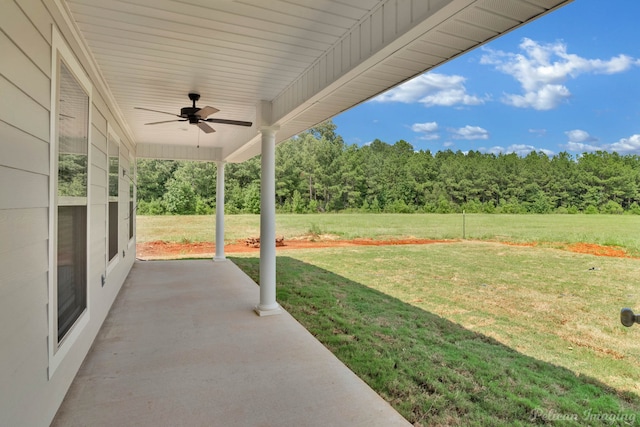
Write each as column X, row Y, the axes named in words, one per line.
column 191, row 112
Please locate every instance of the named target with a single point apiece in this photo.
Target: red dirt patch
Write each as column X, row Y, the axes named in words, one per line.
column 160, row 249
column 164, row 250
column 581, row 248
column 593, row 249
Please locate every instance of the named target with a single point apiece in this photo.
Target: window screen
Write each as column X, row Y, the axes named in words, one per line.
column 114, row 179
column 131, row 197
column 71, row 230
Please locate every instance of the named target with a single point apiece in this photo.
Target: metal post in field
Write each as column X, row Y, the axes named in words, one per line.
column 464, row 225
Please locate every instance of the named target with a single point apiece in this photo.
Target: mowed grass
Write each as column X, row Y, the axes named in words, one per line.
column 613, row 230
column 474, row 333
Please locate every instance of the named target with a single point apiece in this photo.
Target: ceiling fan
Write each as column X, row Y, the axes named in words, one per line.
column 197, row 116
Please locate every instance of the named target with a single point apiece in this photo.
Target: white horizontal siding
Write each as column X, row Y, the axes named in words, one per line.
column 23, row 73
column 25, row 86
column 20, row 150
column 99, row 123
column 28, row 190
column 18, row 27
column 23, row 112
column 99, row 160
column 98, row 195
column 24, row 369
column 39, row 17
column 98, row 201
column 33, row 224
column 99, row 147
column 22, row 269
column 98, row 244
column 99, row 179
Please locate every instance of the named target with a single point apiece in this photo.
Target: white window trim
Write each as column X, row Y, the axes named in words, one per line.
column 111, row 263
column 59, row 350
column 132, row 217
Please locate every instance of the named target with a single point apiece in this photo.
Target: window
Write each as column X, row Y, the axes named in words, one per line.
column 132, row 196
column 114, row 179
column 71, row 201
column 69, row 292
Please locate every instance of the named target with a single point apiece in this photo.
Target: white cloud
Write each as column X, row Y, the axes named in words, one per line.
column 431, row 89
column 542, row 70
column 580, row 136
column 626, row 145
column 523, row 149
column 519, row 149
column 538, row 132
column 425, row 127
column 579, row 147
column 493, row 150
column 428, row 130
column 580, row 141
column 448, row 144
column 469, row 133
column 545, row 98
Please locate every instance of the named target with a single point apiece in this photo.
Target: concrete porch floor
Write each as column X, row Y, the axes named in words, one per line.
column 182, row 346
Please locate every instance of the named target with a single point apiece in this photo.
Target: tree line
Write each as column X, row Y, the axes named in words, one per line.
column 317, row 172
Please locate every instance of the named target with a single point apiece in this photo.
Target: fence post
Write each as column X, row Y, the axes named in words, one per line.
column 464, row 225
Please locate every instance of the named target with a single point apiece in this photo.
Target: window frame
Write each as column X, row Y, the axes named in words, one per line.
column 132, row 200
column 59, row 348
column 112, row 262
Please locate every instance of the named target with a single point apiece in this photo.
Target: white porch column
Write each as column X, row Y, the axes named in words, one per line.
column 268, row 304
column 220, row 212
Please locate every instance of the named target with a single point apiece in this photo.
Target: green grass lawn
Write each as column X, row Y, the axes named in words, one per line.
column 618, row 230
column 472, row 332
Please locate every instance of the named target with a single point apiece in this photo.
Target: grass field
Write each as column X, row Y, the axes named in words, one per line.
column 473, row 332
column 617, row 230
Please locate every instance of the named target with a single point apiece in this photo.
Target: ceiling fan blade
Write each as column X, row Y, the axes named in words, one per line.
column 229, row 122
column 167, row 121
column 206, row 111
column 156, row 111
column 205, row 127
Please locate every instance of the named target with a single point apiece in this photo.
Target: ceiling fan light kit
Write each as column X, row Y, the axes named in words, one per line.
column 197, row 116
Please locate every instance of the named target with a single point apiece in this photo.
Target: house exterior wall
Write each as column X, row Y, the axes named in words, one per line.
column 31, row 389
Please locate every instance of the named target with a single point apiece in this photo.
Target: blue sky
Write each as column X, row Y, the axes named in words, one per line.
column 569, row 81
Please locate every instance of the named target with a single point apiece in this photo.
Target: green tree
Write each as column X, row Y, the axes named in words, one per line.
column 317, row 172
column 152, row 177
column 179, row 198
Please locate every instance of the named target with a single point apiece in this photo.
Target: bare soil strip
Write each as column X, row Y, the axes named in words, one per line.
column 165, row 250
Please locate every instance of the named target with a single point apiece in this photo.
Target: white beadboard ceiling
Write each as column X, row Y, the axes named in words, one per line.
column 308, row 59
